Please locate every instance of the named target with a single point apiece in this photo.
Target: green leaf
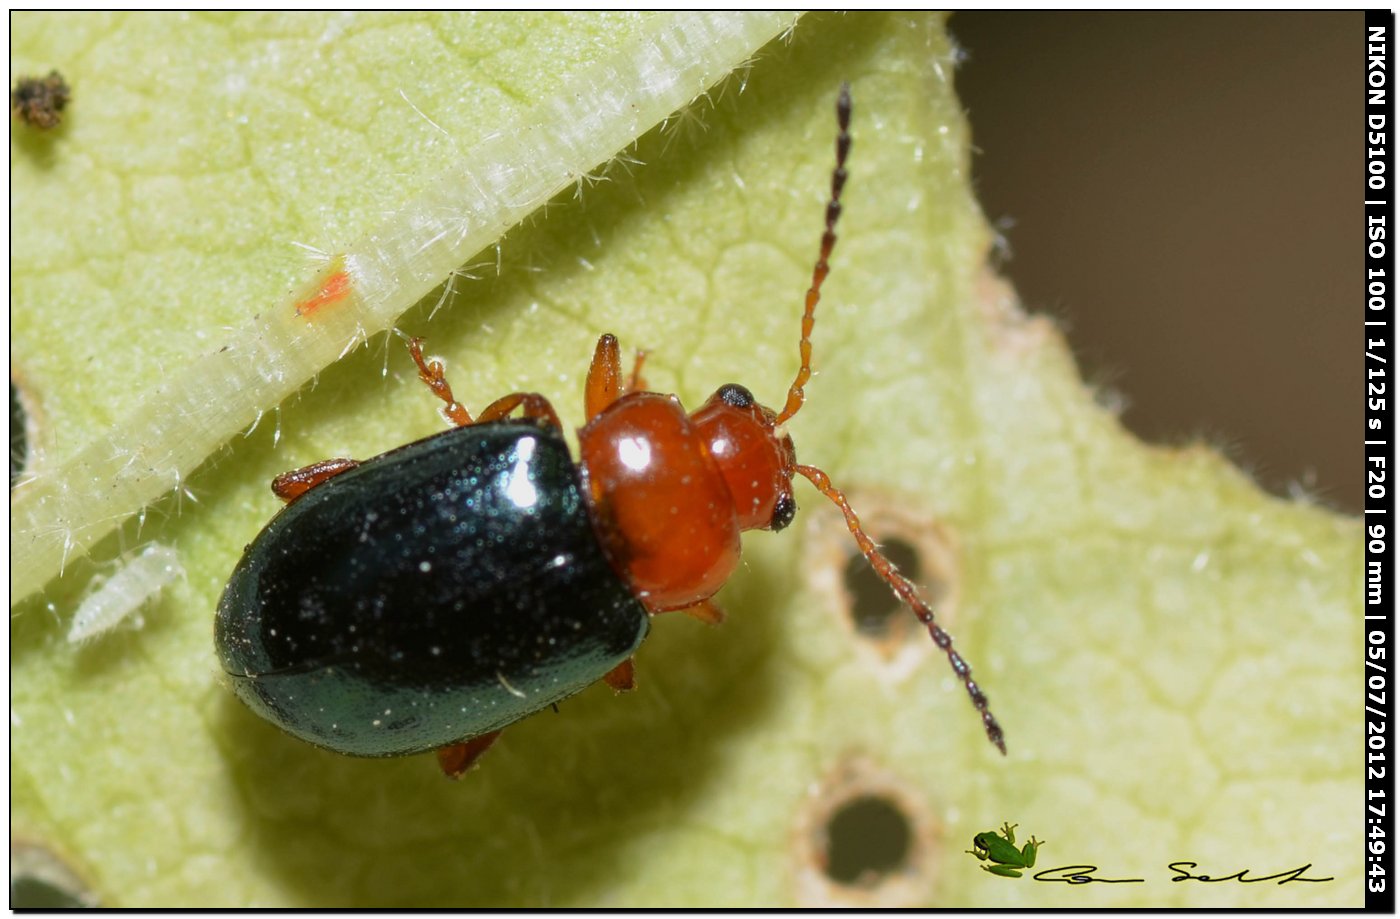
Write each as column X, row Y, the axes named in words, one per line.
column 413, row 230
column 1171, row 652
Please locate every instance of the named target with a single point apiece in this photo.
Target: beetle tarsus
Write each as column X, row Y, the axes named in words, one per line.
column 433, row 375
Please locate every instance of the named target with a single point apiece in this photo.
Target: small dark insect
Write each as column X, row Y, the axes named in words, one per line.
column 432, row 596
column 39, row 101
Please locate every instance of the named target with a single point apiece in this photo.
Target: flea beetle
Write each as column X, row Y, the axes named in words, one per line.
column 429, row 597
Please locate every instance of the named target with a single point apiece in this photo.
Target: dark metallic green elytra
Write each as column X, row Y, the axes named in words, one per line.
column 436, row 592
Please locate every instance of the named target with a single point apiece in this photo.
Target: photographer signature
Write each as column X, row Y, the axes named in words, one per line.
column 1085, row 874
column 1001, row 857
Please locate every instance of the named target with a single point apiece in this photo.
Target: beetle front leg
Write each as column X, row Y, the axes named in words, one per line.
column 604, row 382
column 637, row 383
column 604, row 385
column 455, row 759
column 432, row 374
column 292, row 485
column 706, row 611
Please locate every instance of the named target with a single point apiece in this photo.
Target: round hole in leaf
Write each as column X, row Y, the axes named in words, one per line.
column 874, row 608
column 39, row 879
column 29, row 892
column 19, row 435
column 868, row 838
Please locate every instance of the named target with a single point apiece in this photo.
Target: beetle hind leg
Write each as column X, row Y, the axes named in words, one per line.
column 455, row 759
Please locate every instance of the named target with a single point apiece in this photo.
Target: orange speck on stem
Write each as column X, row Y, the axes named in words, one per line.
column 334, row 288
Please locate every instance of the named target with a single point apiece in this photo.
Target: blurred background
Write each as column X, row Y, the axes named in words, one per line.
column 1182, row 192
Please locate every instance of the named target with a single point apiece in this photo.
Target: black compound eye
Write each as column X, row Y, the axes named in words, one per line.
column 735, row 395
column 783, row 512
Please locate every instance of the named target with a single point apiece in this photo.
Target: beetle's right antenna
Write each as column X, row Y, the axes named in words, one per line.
column 796, row 396
column 905, row 590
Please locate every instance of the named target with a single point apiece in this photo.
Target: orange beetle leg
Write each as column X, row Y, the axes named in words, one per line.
column 604, row 377
column 706, row 611
column 623, row 677
column 431, row 373
column 455, row 759
column 292, row 485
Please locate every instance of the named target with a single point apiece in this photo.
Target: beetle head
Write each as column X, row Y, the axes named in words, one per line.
column 754, row 454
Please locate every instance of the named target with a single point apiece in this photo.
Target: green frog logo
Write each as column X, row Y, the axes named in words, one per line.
column 1000, row 850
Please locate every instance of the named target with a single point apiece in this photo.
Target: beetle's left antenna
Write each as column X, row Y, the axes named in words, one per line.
column 796, row 396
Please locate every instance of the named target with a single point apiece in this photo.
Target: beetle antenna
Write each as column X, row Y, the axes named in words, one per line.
column 906, row 592
column 796, row 396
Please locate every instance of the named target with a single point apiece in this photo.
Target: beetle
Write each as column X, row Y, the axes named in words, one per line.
column 429, row 597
